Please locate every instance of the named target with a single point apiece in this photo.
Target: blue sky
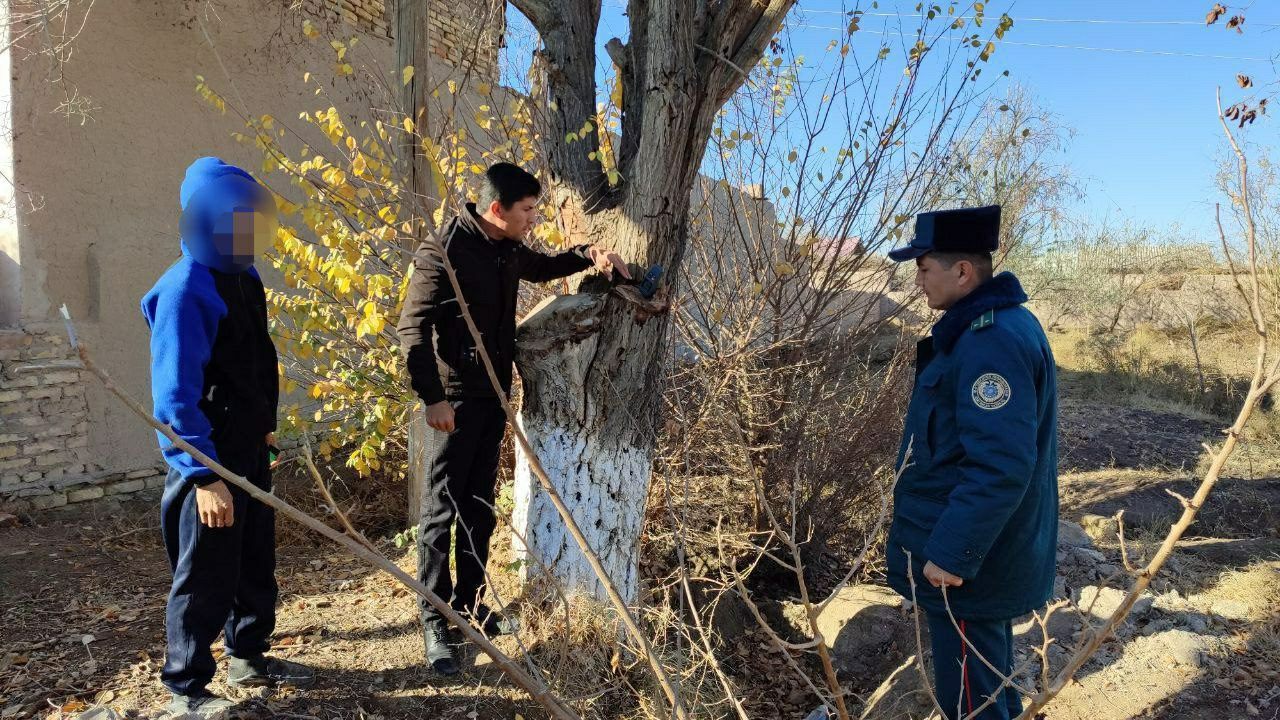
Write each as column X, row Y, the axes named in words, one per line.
column 1147, row 141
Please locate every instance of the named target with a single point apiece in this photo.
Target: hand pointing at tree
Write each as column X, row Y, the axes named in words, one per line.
column 605, row 261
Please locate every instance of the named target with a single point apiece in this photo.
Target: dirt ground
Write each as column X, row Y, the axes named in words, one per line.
column 83, row 624
column 84, row 598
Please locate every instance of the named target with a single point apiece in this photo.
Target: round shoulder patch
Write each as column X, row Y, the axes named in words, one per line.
column 991, row 391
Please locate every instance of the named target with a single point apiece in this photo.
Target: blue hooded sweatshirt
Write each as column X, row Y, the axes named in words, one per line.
column 214, row 371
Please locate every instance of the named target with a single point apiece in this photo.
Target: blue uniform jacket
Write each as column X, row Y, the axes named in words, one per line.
column 980, row 495
column 214, row 369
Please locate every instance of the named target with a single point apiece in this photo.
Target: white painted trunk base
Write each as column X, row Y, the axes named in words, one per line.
column 605, row 486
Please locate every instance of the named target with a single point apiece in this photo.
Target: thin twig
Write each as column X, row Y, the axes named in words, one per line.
column 915, row 615
column 1124, row 551
column 764, row 624
column 721, row 58
column 324, row 492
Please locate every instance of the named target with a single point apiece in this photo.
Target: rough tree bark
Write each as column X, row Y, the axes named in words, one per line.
column 591, row 374
column 410, row 20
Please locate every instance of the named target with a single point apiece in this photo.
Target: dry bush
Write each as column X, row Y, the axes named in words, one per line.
column 805, row 428
column 376, row 504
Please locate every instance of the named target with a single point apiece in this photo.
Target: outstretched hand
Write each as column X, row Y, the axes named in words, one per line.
column 606, row 261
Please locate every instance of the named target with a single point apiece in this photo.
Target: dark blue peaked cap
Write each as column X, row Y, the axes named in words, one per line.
column 964, row 230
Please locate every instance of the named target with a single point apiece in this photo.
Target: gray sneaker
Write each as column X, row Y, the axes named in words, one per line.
column 268, row 671
column 205, row 706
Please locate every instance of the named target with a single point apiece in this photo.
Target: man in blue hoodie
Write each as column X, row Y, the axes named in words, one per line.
column 215, row 381
column 977, row 505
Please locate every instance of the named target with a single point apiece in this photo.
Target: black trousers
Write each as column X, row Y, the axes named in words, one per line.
column 462, row 471
column 223, row 579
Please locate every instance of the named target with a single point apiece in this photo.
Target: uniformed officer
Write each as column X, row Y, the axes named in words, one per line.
column 977, row 506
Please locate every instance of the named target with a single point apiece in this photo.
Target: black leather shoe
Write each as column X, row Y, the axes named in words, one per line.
column 439, row 652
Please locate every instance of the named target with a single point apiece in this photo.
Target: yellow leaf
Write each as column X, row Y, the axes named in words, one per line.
column 309, row 30
column 408, row 125
column 615, row 93
column 359, row 165
column 351, row 143
column 407, row 74
column 432, row 153
column 483, row 88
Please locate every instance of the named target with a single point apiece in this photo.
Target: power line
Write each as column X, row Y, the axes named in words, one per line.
column 1136, row 51
column 1056, row 46
column 1018, row 18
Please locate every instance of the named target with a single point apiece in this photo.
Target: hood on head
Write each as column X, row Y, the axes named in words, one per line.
column 212, row 194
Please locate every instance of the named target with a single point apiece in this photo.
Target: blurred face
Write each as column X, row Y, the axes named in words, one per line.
column 241, row 234
column 253, row 231
column 943, row 286
column 513, row 222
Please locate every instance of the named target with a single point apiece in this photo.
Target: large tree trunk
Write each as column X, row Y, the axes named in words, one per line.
column 590, row 414
column 592, row 374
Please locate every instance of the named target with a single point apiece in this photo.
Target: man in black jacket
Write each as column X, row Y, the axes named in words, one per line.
column 486, row 251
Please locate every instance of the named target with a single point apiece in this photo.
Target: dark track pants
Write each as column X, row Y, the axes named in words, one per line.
column 963, row 681
column 223, row 579
column 462, row 469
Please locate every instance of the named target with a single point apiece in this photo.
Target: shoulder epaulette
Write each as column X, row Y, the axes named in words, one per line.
column 985, row 320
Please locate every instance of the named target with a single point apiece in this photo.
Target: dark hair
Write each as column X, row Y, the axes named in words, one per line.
column 508, row 184
column 981, row 262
